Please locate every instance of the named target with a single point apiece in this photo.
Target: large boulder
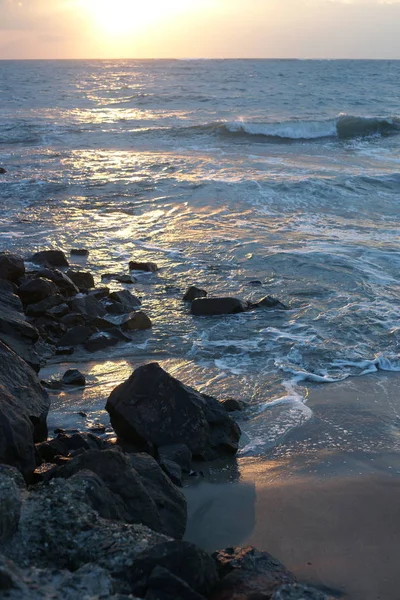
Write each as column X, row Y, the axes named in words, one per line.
column 154, row 407
column 11, row 266
column 33, row 291
column 66, row 286
column 82, row 279
column 144, row 490
column 217, row 306
column 50, row 258
column 21, row 382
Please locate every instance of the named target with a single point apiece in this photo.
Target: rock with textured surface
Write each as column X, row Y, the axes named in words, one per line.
column 87, row 305
column 136, row 321
column 73, row 377
column 65, row 285
column 82, row 279
column 35, row 290
column 154, row 407
column 217, row 306
column 12, row 266
column 50, row 258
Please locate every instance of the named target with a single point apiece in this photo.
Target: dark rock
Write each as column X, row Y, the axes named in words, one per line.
column 64, row 350
column 12, row 267
column 154, row 407
column 38, row 309
column 16, row 435
column 232, row 405
column 35, row 290
column 65, row 285
column 170, row 502
column 178, row 453
column 173, row 471
column 270, row 302
column 79, row 252
column 8, row 286
column 10, row 505
column 82, row 279
column 59, row 311
column 2, row 171
column 136, row 321
column 87, row 305
column 128, row 300
column 98, row 428
column 194, row 292
column 47, row 451
column 148, row 267
column 183, row 559
column 217, row 306
column 163, row 585
column 249, row 572
column 85, row 441
column 255, row 283
column 100, row 341
column 117, row 471
column 102, row 324
column 21, row 382
column 128, row 279
column 74, row 320
column 75, row 336
column 50, row 258
column 52, row 332
column 296, row 591
column 100, row 292
column 11, row 579
column 73, row 377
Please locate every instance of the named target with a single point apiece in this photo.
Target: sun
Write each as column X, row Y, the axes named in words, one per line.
column 123, row 17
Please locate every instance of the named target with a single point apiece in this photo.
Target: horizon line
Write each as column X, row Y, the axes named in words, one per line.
column 282, row 58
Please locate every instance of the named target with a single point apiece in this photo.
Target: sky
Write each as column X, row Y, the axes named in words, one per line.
column 199, row 28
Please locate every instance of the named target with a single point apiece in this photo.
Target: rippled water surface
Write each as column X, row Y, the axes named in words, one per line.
column 225, row 173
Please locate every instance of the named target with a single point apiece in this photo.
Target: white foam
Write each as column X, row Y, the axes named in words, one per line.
column 297, row 130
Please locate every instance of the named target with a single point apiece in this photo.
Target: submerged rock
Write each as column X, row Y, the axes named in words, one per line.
column 79, row 252
column 217, row 306
column 270, row 302
column 51, row 258
column 148, row 267
column 154, row 407
column 12, row 267
column 192, row 293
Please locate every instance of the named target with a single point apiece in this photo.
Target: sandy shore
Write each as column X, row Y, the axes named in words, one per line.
column 326, row 501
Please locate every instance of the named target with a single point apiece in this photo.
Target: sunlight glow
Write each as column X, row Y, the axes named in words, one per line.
column 124, row 17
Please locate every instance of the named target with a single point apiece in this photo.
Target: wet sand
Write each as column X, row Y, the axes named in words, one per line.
column 324, row 502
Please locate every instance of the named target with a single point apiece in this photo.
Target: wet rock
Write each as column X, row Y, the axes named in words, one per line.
column 98, row 428
column 12, row 267
column 296, row 591
column 38, row 309
column 188, row 417
column 99, row 293
column 65, row 285
column 254, row 283
column 232, row 405
column 10, row 506
column 173, row 471
column 51, row 332
column 66, row 445
column 148, row 496
column 75, row 336
column 59, row 311
column 50, row 258
column 21, row 382
column 73, row 377
column 82, row 279
column 217, row 306
column 16, row 435
column 178, row 453
column 136, row 321
column 35, row 290
column 162, row 584
column 270, row 302
column 100, row 341
column 250, row 572
column 64, row 350
column 128, row 279
column 47, row 451
column 87, row 305
column 74, row 320
column 148, row 267
column 122, row 302
column 102, row 324
column 194, row 292
column 183, row 559
column 79, row 252
column 2, row 171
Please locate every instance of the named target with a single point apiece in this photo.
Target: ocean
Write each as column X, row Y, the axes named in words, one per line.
column 245, row 177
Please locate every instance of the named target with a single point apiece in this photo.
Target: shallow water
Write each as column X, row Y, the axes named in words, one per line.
column 224, row 173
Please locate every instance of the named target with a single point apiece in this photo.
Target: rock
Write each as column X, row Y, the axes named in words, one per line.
column 50, row 258
column 50, row 331
column 173, row 471
column 16, row 435
column 183, row 559
column 11, row 580
column 136, row 321
column 217, row 306
column 124, row 301
column 35, row 290
column 21, row 382
column 10, row 505
column 64, row 445
column 270, row 302
column 254, row 283
column 178, row 453
column 73, row 377
column 148, row 267
column 154, row 407
column 162, row 584
column 64, row 350
column 148, row 497
column 296, row 591
column 79, row 252
column 12, row 267
column 100, row 292
column 87, row 305
column 47, row 451
column 102, row 324
column 128, row 279
column 232, row 405
column 65, row 285
column 249, row 571
column 82, row 279
column 2, row 171
column 74, row 320
column 38, row 309
column 75, row 336
column 8, row 286
column 59, row 311
column 194, row 292
column 100, row 341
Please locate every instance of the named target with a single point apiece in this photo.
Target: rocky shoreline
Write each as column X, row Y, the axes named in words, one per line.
column 85, row 517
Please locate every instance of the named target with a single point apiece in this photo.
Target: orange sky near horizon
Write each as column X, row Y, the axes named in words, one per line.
column 199, row 28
